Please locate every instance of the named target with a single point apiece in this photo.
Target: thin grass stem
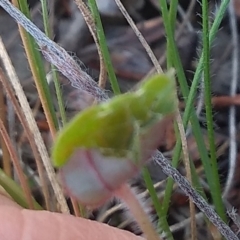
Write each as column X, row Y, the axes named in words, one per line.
column 15, row 83
column 189, row 99
column 104, row 48
column 37, row 70
column 17, row 166
column 53, row 68
column 5, row 154
column 13, row 189
column 89, row 19
column 215, row 186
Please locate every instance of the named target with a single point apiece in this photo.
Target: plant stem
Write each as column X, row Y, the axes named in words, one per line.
column 53, row 68
column 104, row 48
column 208, row 105
column 163, row 224
column 189, row 97
column 16, row 164
column 37, row 70
column 6, row 160
column 125, row 193
column 15, row 191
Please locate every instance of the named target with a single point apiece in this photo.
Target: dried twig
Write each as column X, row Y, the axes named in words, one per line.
column 57, row 55
column 196, row 198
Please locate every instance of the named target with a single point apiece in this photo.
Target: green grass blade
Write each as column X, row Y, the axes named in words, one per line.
column 103, row 46
column 53, row 68
column 209, row 115
column 15, row 191
column 38, row 71
column 163, row 224
column 191, row 113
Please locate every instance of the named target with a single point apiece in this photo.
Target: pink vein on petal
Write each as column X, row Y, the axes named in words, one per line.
column 91, row 163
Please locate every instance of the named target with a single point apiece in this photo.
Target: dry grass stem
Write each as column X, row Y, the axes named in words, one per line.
column 140, row 37
column 19, row 112
column 92, row 28
column 35, row 74
column 186, row 161
column 16, row 164
column 12, row 76
column 5, row 154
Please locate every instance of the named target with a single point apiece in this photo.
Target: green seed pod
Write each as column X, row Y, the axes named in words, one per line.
column 107, row 144
column 114, row 127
